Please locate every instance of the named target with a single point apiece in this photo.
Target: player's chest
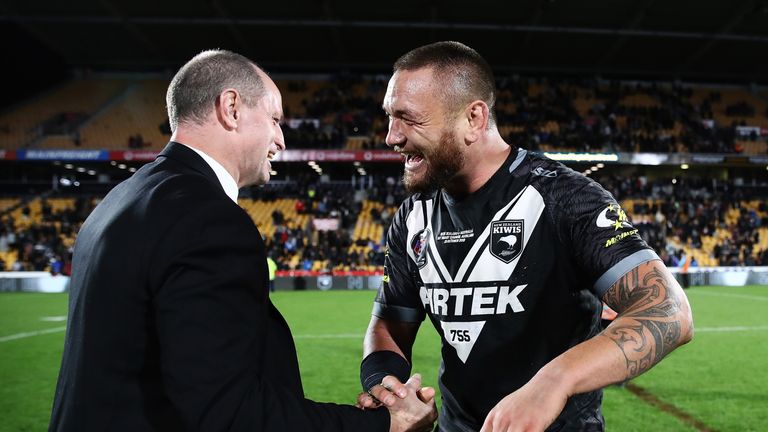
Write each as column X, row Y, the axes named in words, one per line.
column 484, row 243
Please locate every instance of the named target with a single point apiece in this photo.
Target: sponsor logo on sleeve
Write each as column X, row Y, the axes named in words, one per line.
column 539, row 171
column 617, row 238
column 613, row 216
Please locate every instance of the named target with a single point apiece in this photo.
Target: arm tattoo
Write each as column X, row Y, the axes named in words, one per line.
column 648, row 326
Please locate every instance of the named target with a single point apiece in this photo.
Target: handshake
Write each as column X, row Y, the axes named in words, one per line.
column 411, row 406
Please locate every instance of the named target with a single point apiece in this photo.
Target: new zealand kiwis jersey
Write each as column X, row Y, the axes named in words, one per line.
column 511, row 277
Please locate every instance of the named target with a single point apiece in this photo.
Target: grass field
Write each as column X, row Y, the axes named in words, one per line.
column 717, row 382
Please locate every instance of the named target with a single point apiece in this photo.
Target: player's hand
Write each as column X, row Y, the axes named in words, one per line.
column 390, row 389
column 532, row 408
column 415, row 412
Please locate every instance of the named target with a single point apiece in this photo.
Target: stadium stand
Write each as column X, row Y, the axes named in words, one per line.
column 57, row 113
column 132, row 121
column 344, row 112
column 717, row 224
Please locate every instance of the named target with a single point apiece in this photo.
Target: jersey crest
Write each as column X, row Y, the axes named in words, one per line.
column 506, row 239
column 419, row 244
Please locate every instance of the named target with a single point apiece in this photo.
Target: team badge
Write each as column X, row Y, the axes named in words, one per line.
column 506, row 240
column 419, row 244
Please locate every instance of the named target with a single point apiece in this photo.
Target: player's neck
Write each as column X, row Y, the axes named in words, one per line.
column 478, row 169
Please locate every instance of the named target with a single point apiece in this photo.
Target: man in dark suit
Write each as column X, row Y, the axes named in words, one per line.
column 170, row 322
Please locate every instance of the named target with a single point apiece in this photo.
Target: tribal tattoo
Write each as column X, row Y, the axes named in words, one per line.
column 650, row 323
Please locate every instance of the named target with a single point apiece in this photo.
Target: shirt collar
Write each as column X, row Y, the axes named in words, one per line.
column 228, row 182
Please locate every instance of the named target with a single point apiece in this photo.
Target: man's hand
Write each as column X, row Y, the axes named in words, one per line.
column 532, row 408
column 410, row 413
column 391, row 389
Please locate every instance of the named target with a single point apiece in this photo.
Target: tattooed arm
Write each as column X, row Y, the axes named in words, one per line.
column 654, row 319
column 654, row 316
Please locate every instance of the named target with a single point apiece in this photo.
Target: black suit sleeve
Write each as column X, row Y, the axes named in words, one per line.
column 227, row 358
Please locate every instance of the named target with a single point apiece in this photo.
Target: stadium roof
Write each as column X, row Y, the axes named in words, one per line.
column 703, row 40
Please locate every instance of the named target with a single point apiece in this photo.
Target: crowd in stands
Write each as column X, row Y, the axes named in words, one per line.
column 610, row 124
column 572, row 115
column 715, row 222
column 42, row 242
column 719, row 220
column 554, row 114
column 331, row 248
column 345, row 106
column 673, row 215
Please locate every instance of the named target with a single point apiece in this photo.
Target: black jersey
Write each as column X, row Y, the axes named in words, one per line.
column 511, row 277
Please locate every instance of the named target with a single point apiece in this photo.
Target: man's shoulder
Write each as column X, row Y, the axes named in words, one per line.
column 166, row 192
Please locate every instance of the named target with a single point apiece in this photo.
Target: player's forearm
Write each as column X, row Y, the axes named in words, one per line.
column 590, row 365
column 386, row 351
column 389, row 336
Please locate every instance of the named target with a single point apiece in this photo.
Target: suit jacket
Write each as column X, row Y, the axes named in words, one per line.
column 170, row 322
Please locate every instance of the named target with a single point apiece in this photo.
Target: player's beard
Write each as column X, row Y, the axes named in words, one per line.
column 443, row 161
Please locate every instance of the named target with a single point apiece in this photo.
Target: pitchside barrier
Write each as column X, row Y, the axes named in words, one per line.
column 364, row 280
column 728, row 276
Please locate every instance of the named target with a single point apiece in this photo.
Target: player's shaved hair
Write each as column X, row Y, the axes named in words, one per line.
column 461, row 73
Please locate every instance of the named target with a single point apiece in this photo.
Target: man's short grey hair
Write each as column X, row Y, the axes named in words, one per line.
column 195, row 88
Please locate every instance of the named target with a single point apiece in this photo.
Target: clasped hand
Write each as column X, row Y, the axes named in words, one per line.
column 411, row 406
column 532, row 408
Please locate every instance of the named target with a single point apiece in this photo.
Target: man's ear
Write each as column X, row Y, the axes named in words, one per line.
column 228, row 108
column 477, row 116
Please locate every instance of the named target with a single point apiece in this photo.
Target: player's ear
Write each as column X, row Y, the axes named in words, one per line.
column 477, row 117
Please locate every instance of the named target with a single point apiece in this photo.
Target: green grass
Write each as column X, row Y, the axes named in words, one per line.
column 29, row 366
column 719, row 378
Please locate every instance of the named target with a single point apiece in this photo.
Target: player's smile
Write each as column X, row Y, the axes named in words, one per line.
column 414, row 161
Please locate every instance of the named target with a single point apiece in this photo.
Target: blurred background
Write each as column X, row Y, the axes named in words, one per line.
column 670, row 101
column 664, row 103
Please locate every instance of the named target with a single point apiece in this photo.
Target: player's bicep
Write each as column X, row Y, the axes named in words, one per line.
column 654, row 316
column 648, row 289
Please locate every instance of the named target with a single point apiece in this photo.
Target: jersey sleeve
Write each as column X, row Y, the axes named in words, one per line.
column 398, row 298
column 603, row 241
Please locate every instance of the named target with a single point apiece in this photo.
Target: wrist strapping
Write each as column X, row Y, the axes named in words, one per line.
column 379, row 364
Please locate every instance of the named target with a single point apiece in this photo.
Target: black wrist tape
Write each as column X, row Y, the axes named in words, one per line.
column 379, row 364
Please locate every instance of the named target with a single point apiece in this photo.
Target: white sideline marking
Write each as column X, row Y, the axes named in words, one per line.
column 329, row 336
column 722, row 294
column 728, row 329
column 30, row 334
column 360, row 336
column 300, row 336
column 54, row 318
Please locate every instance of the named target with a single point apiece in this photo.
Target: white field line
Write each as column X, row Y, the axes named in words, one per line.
column 30, row 334
column 360, row 336
column 722, row 294
column 330, row 336
column 299, row 336
column 729, row 329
